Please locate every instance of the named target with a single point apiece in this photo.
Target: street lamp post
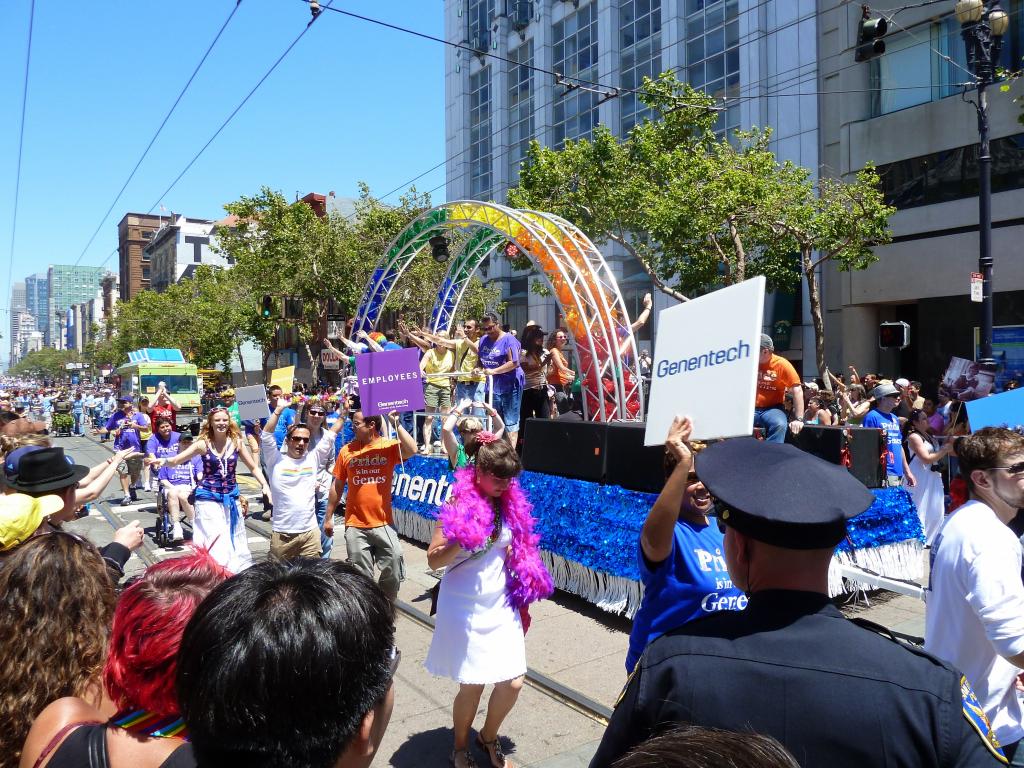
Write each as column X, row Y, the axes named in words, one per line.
column 983, row 26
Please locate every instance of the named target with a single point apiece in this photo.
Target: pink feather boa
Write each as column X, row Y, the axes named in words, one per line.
column 468, row 518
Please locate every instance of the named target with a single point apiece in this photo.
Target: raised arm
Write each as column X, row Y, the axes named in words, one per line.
column 644, row 314
column 198, row 448
column 373, row 345
column 657, row 534
column 406, row 442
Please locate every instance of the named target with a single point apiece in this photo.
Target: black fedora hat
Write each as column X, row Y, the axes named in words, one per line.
column 47, row 469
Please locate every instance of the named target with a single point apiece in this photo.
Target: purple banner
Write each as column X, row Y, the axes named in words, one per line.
column 389, row 381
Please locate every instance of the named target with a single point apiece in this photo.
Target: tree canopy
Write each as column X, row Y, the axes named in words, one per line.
column 700, row 211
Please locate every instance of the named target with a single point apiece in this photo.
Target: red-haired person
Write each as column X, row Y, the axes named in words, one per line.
column 146, row 729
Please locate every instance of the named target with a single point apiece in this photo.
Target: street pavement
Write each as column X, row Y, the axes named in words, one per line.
column 573, row 648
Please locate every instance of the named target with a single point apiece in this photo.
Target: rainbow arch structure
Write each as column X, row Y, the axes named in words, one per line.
column 583, row 285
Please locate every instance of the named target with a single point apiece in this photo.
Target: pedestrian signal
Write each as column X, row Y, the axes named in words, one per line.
column 267, row 307
column 894, row 335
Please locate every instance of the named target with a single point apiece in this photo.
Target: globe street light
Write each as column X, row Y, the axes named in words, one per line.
column 983, row 25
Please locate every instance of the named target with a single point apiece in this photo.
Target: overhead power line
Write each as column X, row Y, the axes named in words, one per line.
column 241, row 104
column 163, row 122
column 21, row 145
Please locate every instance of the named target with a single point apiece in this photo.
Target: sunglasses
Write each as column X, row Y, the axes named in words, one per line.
column 317, row 413
column 299, row 439
column 1014, row 470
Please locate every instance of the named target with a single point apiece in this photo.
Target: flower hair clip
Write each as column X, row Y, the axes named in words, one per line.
column 485, row 438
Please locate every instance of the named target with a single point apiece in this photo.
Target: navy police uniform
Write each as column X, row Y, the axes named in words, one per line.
column 790, row 666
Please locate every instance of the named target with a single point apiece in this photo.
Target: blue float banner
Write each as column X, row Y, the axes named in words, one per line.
column 1003, row 410
column 598, row 526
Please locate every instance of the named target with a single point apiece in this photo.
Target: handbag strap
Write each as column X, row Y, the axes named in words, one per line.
column 58, row 737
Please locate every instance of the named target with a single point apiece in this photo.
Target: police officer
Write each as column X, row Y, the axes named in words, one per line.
column 790, row 665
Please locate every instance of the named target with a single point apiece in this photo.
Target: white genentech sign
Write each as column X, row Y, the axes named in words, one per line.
column 705, row 363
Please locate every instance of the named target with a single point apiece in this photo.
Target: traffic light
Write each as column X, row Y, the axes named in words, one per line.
column 894, row 335
column 869, row 37
column 292, row 308
column 439, row 248
column 267, row 307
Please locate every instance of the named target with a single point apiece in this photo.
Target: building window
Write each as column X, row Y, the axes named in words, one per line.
column 639, row 55
column 713, row 54
column 520, row 108
column 478, row 23
column 575, row 57
column 145, row 272
column 480, row 134
column 952, row 175
column 929, row 63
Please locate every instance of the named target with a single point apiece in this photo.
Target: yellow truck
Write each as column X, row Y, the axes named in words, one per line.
column 146, row 368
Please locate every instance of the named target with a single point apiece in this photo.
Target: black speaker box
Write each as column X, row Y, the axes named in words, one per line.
column 631, row 464
column 567, row 448
column 863, row 446
column 866, row 446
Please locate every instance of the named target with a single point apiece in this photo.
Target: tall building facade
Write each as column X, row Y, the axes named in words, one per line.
column 68, row 285
column 180, row 246
column 37, row 297
column 134, row 232
column 755, row 57
column 17, row 308
column 903, row 112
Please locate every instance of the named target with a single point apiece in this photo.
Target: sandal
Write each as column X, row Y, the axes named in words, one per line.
column 494, row 751
column 469, row 762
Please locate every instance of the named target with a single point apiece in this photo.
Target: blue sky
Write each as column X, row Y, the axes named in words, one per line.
column 352, row 101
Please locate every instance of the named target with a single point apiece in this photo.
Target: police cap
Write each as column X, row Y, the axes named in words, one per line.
column 781, row 495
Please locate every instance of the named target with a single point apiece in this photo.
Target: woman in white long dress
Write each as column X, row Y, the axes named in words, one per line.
column 928, row 494
column 484, row 536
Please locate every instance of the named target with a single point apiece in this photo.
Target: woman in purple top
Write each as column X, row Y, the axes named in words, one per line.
column 499, row 361
column 218, row 521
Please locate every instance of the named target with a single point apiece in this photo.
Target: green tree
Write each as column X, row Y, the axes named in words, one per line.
column 700, row 212
column 45, row 363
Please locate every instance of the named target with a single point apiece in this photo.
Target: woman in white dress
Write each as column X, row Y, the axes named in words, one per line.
column 485, row 538
column 219, row 525
column 928, row 494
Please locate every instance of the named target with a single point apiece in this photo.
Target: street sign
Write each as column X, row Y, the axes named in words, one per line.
column 977, row 285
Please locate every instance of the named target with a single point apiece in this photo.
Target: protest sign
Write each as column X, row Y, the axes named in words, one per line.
column 330, row 359
column 389, row 381
column 283, row 378
column 252, row 402
column 966, row 380
column 1002, row 410
column 705, row 363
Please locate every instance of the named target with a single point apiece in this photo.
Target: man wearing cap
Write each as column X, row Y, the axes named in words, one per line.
column 975, row 607
column 775, row 377
column 126, row 426
column 881, row 416
column 789, row 665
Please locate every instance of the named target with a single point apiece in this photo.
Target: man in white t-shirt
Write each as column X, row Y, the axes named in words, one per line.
column 975, row 606
column 292, row 475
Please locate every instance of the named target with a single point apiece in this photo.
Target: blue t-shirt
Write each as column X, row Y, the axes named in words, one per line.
column 693, row 581
column 390, row 346
column 157, row 448
column 182, row 474
column 495, row 353
column 890, row 424
column 129, row 436
column 285, row 420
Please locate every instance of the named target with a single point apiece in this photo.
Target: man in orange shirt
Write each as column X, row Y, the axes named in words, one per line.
column 776, row 375
column 367, row 465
